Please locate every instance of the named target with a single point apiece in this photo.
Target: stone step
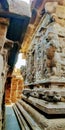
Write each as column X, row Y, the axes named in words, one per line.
column 28, row 118
column 49, row 108
column 20, row 118
column 38, row 118
column 21, row 111
column 31, row 119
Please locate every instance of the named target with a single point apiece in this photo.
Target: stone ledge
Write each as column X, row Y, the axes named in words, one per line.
column 60, row 11
column 4, row 21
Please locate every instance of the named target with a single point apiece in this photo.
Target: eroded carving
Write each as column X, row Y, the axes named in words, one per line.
column 46, row 58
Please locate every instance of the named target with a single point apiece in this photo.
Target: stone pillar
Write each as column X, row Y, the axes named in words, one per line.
column 13, row 89
column 20, row 86
column 3, row 30
column 16, row 88
column 4, row 22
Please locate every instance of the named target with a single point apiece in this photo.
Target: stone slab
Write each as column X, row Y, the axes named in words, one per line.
column 19, row 7
column 43, row 122
column 60, row 11
column 47, row 107
column 56, row 80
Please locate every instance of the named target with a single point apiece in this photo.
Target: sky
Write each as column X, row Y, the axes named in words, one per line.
column 28, row 1
column 20, row 61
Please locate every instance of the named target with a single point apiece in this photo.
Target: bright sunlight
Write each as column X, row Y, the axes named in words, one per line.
column 20, row 61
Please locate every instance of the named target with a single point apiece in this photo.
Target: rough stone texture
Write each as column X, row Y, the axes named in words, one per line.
column 16, row 88
column 3, row 30
column 60, row 11
column 46, row 63
column 4, row 22
column 50, row 7
column 3, row 54
column 38, row 10
column 38, row 119
column 46, row 58
column 19, row 7
column 57, row 124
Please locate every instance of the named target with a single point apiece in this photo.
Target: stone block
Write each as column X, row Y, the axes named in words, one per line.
column 60, row 11
column 3, row 31
column 50, row 7
column 4, row 21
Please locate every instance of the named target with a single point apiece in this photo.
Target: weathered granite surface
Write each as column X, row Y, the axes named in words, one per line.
column 46, row 55
column 3, row 64
column 20, row 7
column 45, row 66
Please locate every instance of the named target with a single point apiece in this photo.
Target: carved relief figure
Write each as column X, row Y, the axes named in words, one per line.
column 50, row 62
column 54, row 61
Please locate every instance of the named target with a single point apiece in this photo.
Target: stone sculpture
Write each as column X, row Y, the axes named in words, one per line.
column 46, row 55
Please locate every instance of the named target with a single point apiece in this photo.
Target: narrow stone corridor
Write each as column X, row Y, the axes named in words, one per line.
column 32, row 65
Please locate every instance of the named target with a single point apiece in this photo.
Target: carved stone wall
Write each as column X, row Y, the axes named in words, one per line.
column 3, row 64
column 46, row 54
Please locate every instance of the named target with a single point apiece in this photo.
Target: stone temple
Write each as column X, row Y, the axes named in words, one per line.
column 32, row 97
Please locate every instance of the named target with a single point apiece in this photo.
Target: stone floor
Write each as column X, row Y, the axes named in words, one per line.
column 11, row 122
column 10, row 119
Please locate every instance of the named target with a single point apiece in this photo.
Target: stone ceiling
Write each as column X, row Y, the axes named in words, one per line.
column 20, row 7
column 18, row 12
